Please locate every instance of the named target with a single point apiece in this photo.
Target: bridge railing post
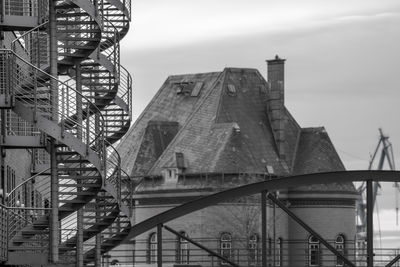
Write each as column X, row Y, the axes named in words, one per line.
column 159, row 245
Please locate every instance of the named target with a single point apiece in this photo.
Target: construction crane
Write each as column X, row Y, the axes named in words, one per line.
column 386, row 154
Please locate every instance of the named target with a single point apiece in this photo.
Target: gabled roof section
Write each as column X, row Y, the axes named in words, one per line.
column 198, row 139
column 167, row 106
column 316, row 153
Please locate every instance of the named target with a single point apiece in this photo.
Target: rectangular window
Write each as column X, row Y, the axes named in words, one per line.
column 226, row 251
column 153, row 253
column 252, row 253
column 184, row 251
column 279, row 252
column 313, row 256
column 339, row 248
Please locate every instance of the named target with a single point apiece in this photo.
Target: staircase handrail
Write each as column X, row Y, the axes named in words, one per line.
column 126, row 82
column 22, row 183
column 18, row 39
column 117, row 168
column 101, row 132
column 52, row 77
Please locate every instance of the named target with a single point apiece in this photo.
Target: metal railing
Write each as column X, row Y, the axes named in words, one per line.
column 26, row 8
column 293, row 254
column 30, row 86
column 3, row 232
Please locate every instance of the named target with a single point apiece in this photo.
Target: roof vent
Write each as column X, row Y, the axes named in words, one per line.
column 269, row 169
column 197, row 88
column 236, row 128
column 231, row 90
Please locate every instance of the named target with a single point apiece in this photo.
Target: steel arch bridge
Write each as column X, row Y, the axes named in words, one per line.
column 265, row 188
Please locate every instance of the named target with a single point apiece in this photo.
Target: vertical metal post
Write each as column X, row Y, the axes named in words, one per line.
column 264, row 228
column 98, row 251
column 53, row 59
column 79, row 215
column 274, row 233
column 159, row 245
column 54, row 225
column 2, row 154
column 370, row 224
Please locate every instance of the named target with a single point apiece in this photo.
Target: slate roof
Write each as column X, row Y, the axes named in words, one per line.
column 224, row 128
column 165, row 106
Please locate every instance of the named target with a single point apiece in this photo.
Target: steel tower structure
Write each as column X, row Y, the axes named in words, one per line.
column 62, row 76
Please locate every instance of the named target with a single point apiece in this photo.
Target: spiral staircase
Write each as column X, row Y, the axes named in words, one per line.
column 79, row 114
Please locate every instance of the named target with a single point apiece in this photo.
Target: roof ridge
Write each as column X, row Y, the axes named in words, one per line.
column 176, row 76
column 313, row 129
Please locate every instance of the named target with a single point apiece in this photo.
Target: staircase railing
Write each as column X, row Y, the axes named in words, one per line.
column 125, row 88
column 32, row 42
column 3, row 232
column 26, row 8
column 31, row 86
column 15, row 198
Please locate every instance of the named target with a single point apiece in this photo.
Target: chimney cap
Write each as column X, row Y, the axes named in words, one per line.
column 276, row 60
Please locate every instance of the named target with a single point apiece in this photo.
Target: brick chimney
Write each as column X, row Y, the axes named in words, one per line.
column 275, row 104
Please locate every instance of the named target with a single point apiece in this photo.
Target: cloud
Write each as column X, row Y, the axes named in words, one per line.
column 159, row 23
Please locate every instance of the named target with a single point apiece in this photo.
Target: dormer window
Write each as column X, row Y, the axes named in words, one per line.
column 170, row 174
column 184, row 88
column 188, row 88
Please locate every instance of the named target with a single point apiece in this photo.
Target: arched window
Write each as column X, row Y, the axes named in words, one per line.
column 253, row 246
column 339, row 246
column 152, row 248
column 313, row 251
column 226, row 246
column 278, row 252
column 182, row 252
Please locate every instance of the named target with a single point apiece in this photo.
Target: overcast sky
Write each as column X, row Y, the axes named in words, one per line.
column 342, row 68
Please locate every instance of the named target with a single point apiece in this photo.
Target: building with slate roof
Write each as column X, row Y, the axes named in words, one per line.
column 202, row 133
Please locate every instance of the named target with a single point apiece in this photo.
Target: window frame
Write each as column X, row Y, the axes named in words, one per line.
column 340, row 247
column 152, row 248
column 314, row 252
column 253, row 249
column 279, row 251
column 182, row 252
column 225, row 246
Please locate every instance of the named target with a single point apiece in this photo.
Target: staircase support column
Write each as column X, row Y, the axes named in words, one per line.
column 79, row 215
column 54, row 223
column 53, row 59
column 98, row 250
